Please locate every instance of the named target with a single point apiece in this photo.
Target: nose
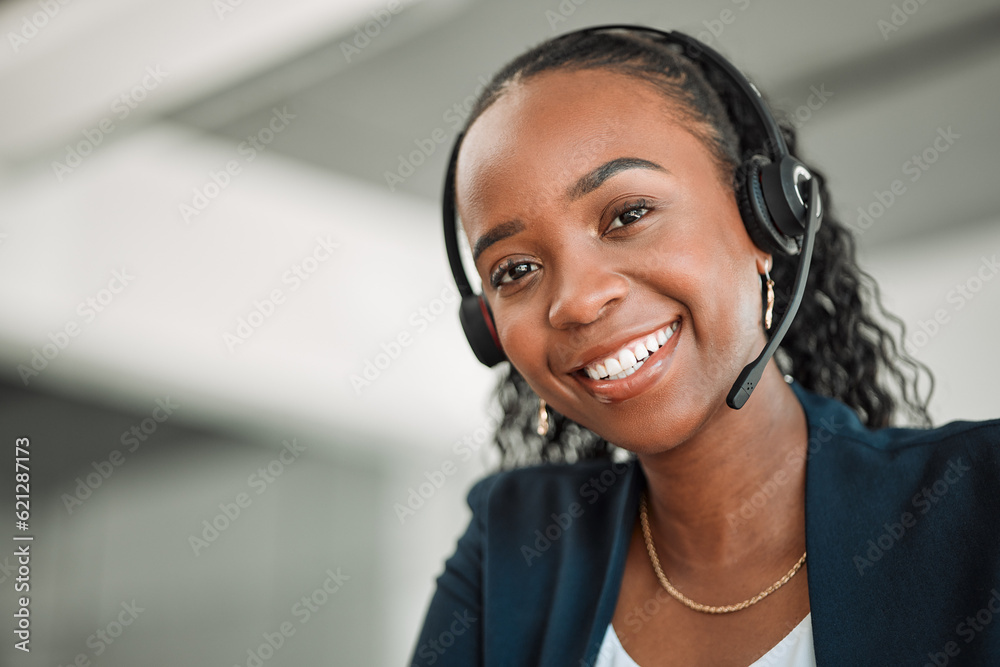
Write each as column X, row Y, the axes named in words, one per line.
column 585, row 289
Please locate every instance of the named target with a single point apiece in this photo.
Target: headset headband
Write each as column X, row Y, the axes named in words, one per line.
column 702, row 54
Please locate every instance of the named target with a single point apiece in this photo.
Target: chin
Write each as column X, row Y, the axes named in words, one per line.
column 637, row 432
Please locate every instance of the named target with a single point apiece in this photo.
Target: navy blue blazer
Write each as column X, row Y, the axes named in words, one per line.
column 901, row 531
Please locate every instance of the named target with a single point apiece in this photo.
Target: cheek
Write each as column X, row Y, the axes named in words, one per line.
column 538, row 356
column 709, row 271
column 522, row 341
column 725, row 319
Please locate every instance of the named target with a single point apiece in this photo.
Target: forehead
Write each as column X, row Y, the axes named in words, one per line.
column 543, row 133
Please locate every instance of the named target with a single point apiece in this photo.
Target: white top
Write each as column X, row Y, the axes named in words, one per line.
column 795, row 650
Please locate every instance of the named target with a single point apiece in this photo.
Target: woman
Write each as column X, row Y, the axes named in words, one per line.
column 602, row 182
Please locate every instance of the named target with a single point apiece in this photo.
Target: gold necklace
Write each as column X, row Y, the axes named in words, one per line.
column 688, row 602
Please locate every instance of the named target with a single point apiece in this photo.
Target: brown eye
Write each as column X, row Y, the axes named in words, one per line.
column 511, row 271
column 628, row 215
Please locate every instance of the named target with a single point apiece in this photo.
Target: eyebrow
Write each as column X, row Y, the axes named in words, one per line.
column 498, row 233
column 593, row 180
column 587, row 183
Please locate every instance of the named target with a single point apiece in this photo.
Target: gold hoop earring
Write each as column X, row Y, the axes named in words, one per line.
column 543, row 417
column 770, row 300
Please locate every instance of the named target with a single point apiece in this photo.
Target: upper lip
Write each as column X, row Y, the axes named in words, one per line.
column 599, row 353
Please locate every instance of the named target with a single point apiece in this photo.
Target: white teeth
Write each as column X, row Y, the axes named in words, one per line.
column 630, row 358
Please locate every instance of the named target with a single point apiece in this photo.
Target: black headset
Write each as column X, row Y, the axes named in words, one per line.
column 768, row 191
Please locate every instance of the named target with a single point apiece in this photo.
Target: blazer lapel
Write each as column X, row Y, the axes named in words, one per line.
column 624, row 511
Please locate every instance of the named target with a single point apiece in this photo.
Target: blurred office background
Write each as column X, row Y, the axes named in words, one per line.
column 229, row 331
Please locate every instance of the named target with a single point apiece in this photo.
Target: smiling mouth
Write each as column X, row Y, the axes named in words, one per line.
column 630, row 357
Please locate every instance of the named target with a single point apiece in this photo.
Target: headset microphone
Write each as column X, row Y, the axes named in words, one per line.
column 768, row 193
column 751, row 373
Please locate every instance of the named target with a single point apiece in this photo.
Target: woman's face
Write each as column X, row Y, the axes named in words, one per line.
column 600, row 221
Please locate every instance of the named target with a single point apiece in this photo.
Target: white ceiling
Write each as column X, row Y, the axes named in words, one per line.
column 65, row 76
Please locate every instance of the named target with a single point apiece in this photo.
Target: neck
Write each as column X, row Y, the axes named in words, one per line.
column 735, row 492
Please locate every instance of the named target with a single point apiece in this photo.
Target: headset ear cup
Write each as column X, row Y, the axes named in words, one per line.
column 753, row 209
column 780, row 184
column 477, row 322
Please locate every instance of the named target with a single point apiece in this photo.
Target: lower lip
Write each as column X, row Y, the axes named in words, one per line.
column 653, row 368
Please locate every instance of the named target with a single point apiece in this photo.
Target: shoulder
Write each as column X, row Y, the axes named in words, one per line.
column 977, row 438
column 527, row 511
column 949, row 467
column 900, row 518
column 949, row 452
column 925, row 493
column 545, row 539
column 838, row 439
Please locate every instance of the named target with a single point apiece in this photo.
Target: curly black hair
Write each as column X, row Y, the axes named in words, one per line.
column 836, row 345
